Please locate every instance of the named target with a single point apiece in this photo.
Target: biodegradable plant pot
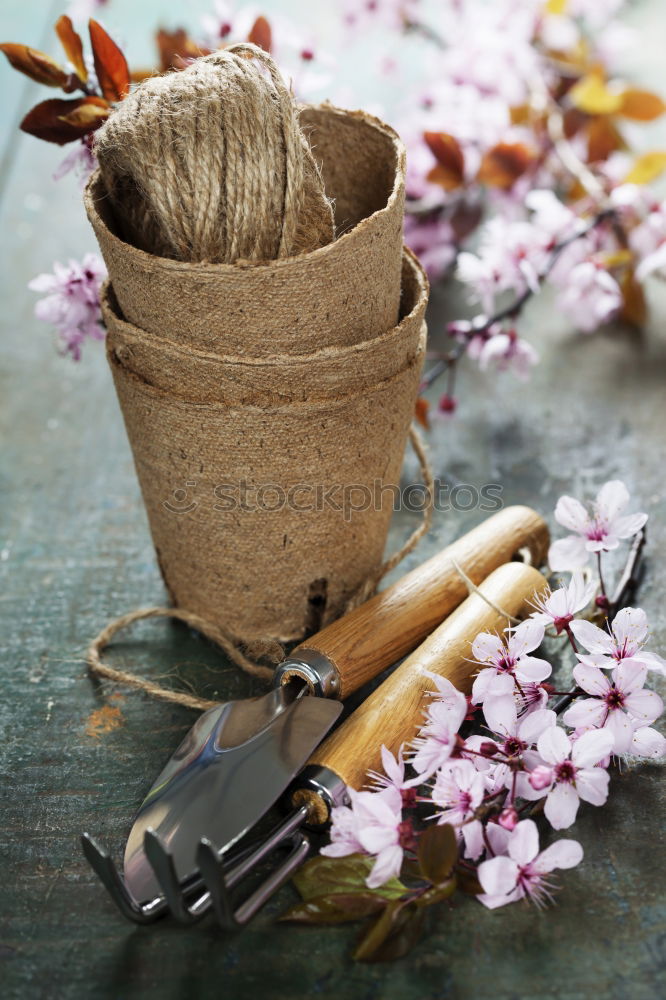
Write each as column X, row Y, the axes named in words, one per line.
column 341, row 294
column 270, row 482
column 211, row 377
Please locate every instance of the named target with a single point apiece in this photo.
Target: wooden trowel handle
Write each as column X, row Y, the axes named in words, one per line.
column 388, row 626
column 392, row 714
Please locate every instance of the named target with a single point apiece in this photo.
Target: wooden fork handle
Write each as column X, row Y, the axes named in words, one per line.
column 392, row 714
column 375, row 635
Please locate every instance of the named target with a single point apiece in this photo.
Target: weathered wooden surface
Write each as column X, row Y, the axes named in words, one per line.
column 75, row 551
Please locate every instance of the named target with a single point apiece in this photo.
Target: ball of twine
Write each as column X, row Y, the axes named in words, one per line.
column 210, row 164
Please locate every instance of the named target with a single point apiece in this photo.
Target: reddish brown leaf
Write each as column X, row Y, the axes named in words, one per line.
column 37, row 65
column 261, row 34
column 634, row 306
column 602, row 139
column 62, row 121
column 110, row 64
column 502, row 165
column 176, row 49
column 73, row 46
column 450, row 169
column 421, row 412
column 642, row 105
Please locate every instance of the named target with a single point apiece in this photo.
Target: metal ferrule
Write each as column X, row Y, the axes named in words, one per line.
column 313, row 667
column 325, row 783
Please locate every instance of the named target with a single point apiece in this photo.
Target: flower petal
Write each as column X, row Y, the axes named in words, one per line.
column 561, row 854
column 501, row 716
column 619, row 724
column 523, row 844
column 571, row 514
column 492, row 902
column 644, row 706
column 567, row 554
column 592, row 747
column 592, row 785
column 561, row 806
column 647, row 742
column 593, row 638
column 531, row 726
column 531, row 669
column 630, row 628
column 498, row 876
column 630, row 525
column 591, row 680
column 611, row 500
column 585, row 713
column 629, row 676
column 487, row 648
column 386, row 867
column 526, row 637
column 554, row 745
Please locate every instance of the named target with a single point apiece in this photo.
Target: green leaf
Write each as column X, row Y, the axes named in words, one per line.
column 437, row 893
column 321, row 876
column 338, row 908
column 392, row 935
column 437, row 853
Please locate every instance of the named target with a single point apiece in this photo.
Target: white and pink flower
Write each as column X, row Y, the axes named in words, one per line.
column 509, row 662
column 574, row 774
column 622, row 644
column 523, row 872
column 619, row 704
column 600, row 530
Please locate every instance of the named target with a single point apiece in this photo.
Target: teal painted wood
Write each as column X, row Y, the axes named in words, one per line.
column 75, row 551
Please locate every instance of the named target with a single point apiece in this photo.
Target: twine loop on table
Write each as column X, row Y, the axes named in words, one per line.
column 265, row 648
column 210, row 164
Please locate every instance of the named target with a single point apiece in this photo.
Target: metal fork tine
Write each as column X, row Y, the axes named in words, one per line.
column 162, row 864
column 218, row 881
column 103, row 866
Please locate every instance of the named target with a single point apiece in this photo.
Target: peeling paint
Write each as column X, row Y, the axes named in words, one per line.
column 104, row 720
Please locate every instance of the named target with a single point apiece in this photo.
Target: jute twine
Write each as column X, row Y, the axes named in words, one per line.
column 226, row 640
column 210, row 164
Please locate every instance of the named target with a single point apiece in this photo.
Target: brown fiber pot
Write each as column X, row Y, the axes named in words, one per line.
column 260, row 559
column 341, row 294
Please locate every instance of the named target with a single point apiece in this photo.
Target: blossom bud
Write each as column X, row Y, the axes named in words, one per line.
column 508, row 818
column 488, row 749
column 447, row 404
column 541, row 777
column 602, row 602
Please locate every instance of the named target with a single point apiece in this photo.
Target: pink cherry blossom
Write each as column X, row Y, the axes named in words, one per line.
column 616, row 704
column 524, row 872
column 72, row 301
column 598, row 531
column 591, row 296
column 623, row 643
column 574, row 773
column 81, row 161
column 511, row 257
column 394, row 773
column 510, row 664
column 438, row 738
column 558, row 607
column 507, row 351
column 373, row 824
column 458, row 791
column 433, row 241
column 515, row 737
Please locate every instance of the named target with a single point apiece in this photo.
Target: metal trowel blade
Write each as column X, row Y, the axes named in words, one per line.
column 229, row 770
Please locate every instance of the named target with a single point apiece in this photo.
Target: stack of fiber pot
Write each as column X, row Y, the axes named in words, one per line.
column 267, row 400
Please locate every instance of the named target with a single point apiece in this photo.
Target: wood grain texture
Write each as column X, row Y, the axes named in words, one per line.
column 392, row 714
column 392, row 623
